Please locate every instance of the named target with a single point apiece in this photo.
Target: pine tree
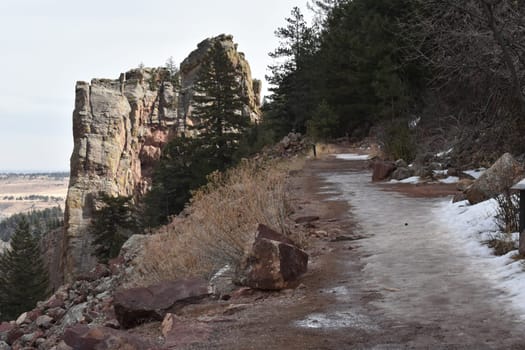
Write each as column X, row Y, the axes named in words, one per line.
column 181, row 169
column 113, row 223
column 218, row 105
column 23, row 276
column 292, row 76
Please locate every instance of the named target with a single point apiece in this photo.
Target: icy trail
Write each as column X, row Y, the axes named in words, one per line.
column 425, row 273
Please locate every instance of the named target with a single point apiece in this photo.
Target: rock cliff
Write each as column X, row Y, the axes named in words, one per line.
column 119, row 129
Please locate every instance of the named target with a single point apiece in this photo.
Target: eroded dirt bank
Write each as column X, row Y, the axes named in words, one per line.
column 374, row 282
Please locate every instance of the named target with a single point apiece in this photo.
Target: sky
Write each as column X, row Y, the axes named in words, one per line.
column 48, row 45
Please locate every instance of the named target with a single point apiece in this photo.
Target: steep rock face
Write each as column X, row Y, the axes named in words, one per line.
column 189, row 70
column 119, row 129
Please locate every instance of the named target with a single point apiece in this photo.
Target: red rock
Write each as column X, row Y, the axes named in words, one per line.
column 99, row 271
column 180, row 332
column 13, row 335
column 306, row 219
column 5, row 328
column 382, row 170
column 54, row 301
column 264, row 231
column 139, row 305
column 82, row 337
column 271, row 264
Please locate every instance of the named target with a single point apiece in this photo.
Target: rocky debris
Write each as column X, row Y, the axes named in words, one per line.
column 400, row 163
column 505, row 172
column 402, row 173
column 83, row 337
column 291, row 145
column 272, row 262
column 139, row 305
column 221, row 283
column 119, row 129
column 382, row 169
column 86, row 301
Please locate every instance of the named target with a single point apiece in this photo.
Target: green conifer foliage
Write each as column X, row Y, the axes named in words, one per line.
column 218, row 105
column 113, row 223
column 23, row 275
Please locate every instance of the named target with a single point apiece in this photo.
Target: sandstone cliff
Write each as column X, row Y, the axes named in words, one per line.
column 119, row 129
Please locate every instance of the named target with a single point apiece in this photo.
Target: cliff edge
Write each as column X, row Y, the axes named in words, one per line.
column 119, row 129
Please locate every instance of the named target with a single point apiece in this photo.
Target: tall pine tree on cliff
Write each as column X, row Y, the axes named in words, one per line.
column 218, row 105
column 23, row 276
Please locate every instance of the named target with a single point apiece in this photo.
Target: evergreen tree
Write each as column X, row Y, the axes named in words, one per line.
column 292, row 76
column 23, row 276
column 113, row 223
column 218, row 105
column 182, row 168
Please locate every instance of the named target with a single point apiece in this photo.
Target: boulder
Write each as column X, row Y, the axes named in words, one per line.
column 402, row 173
column 400, row 163
column 82, row 337
column 139, row 305
column 381, row 170
column 44, row 321
column 459, row 197
column 501, row 175
column 272, row 262
column 463, row 184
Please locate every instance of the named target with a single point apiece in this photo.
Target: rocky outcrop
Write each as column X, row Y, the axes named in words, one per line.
column 189, row 70
column 119, row 129
column 273, row 262
column 139, row 305
column 505, row 172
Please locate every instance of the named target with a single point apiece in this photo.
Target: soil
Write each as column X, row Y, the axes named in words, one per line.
column 340, row 304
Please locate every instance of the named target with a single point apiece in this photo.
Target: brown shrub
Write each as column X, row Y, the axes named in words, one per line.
column 222, row 218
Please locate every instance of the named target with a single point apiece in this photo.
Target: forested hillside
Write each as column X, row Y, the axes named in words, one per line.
column 452, row 70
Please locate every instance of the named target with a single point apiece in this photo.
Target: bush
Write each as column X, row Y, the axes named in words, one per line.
column 507, row 212
column 113, row 223
column 222, row 218
column 398, row 141
column 502, row 243
column 324, row 124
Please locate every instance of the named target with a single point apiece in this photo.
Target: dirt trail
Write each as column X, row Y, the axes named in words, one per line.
column 382, row 276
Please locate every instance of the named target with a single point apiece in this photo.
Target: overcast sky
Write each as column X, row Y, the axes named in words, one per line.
column 47, row 45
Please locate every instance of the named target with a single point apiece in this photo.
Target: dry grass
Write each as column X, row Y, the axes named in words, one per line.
column 222, row 218
column 501, row 243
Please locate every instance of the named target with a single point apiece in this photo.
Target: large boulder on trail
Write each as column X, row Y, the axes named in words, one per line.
column 505, row 172
column 139, row 305
column 273, row 262
column 381, row 170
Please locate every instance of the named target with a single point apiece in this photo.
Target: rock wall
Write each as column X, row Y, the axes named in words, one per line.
column 119, row 129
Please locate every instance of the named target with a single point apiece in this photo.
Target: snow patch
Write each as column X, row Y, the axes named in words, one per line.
column 408, row 180
column 444, row 153
column 352, row 156
column 337, row 320
column 475, row 173
column 449, row 180
column 474, row 224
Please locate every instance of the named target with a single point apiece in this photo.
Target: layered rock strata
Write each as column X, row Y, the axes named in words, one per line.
column 119, row 129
